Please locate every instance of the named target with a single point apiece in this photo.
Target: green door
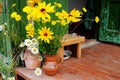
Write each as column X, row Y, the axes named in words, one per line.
column 110, row 21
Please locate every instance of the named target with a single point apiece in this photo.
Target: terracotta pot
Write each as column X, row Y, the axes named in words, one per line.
column 31, row 61
column 51, row 65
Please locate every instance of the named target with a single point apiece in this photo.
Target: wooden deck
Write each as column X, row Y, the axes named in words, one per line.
column 98, row 62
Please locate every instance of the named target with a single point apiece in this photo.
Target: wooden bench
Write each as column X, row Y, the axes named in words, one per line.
column 23, row 73
column 69, row 39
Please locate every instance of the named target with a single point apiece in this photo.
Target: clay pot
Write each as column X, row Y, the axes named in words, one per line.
column 31, row 61
column 51, row 65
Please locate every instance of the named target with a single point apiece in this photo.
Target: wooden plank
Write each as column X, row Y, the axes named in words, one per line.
column 70, row 39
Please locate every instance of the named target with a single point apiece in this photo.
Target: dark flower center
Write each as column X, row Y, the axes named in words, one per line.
column 42, row 10
column 35, row 4
column 45, row 34
column 70, row 15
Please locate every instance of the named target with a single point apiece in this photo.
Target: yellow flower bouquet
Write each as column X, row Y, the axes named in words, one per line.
column 47, row 23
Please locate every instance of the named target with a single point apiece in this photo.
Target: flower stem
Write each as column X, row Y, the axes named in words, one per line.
column 87, row 19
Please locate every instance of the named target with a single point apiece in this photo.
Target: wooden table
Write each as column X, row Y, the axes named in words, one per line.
column 26, row 74
column 69, row 39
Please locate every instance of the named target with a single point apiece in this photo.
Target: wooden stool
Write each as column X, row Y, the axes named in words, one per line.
column 69, row 39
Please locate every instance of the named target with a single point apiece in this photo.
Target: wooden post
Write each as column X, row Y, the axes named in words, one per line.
column 60, row 53
column 79, row 50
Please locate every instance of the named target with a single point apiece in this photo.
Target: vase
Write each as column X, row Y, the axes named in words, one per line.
column 32, row 61
column 51, row 65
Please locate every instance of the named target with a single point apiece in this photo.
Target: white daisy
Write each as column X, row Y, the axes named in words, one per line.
column 38, row 71
column 28, row 42
column 35, row 42
column 34, row 50
column 22, row 44
column 11, row 78
column 30, row 47
column 5, row 23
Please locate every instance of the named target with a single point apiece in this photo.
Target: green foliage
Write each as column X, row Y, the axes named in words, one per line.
column 7, row 66
column 10, row 39
column 51, row 49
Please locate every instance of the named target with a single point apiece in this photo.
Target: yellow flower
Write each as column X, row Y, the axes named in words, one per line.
column 28, row 17
column 42, row 11
column 46, row 20
column 84, row 9
column 13, row 14
column 73, row 16
column 63, row 22
column 31, row 33
column 53, row 22
column 17, row 17
column 30, row 30
column 62, row 15
column 30, row 3
column 97, row 19
column 27, row 9
column 45, row 34
column 29, row 27
column 58, row 4
column 13, row 5
column 33, row 2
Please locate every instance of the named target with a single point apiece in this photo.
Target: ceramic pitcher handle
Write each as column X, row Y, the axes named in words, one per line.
column 59, row 61
column 22, row 55
column 25, row 54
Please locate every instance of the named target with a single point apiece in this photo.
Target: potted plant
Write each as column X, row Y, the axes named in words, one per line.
column 32, row 55
column 47, row 22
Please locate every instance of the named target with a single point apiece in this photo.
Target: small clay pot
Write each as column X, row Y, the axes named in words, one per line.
column 51, row 65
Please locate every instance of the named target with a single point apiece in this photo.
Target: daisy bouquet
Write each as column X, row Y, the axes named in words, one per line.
column 47, row 23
